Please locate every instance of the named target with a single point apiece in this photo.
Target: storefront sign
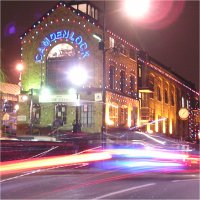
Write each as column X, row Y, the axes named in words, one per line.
column 98, row 97
column 62, row 34
column 58, row 98
column 21, row 118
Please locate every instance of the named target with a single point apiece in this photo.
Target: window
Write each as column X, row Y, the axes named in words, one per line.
column 82, row 8
column 36, row 111
column 182, row 102
column 91, row 11
column 75, row 6
column 87, row 115
column 62, row 50
column 132, row 54
column 96, row 14
column 123, row 115
column 178, row 97
column 150, row 83
column 112, row 77
column 122, row 81
column 111, row 42
column 159, row 94
column 166, row 96
column 187, row 102
column 61, row 113
column 132, row 85
column 123, row 50
column 139, row 72
column 172, row 98
column 113, row 114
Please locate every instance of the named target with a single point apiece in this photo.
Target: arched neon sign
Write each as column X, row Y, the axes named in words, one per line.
column 62, row 34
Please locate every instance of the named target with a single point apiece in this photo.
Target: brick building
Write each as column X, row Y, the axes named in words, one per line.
column 138, row 90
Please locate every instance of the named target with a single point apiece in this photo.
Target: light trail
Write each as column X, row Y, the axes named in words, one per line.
column 17, row 166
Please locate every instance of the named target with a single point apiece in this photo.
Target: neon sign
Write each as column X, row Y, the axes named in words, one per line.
column 62, row 34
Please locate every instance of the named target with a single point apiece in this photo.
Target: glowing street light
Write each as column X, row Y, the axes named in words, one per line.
column 136, row 8
column 19, row 68
column 78, row 76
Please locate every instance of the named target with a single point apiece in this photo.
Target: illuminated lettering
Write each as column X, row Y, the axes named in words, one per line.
column 38, row 58
column 58, row 34
column 83, row 46
column 85, row 54
column 65, row 34
column 52, row 37
column 71, row 37
column 46, row 42
column 79, row 40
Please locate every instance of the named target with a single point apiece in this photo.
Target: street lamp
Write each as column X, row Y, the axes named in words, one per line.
column 139, row 7
column 136, row 8
column 78, row 77
column 20, row 68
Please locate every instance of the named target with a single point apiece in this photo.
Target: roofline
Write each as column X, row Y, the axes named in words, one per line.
column 189, row 83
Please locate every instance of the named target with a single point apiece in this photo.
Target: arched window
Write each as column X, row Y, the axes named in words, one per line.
column 172, row 98
column 159, row 97
column 166, row 96
column 59, row 60
column 62, row 50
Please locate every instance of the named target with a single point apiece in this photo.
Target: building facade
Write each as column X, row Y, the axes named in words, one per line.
column 139, row 92
column 8, row 105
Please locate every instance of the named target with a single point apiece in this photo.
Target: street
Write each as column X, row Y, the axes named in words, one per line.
column 86, row 182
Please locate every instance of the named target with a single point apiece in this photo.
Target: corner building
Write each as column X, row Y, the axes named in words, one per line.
column 70, row 35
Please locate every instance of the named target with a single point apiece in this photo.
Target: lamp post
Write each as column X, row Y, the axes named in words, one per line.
column 20, row 68
column 103, row 129
column 78, row 77
column 140, row 9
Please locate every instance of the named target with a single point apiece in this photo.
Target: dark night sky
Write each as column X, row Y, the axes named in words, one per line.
column 168, row 34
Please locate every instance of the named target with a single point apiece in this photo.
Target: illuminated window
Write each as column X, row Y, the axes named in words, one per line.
column 159, row 94
column 140, row 72
column 166, row 96
column 82, row 8
column 111, row 42
column 61, row 50
column 113, row 114
column 187, row 104
column 123, row 116
column 92, row 12
column 75, row 6
column 182, row 102
column 112, row 77
column 87, row 115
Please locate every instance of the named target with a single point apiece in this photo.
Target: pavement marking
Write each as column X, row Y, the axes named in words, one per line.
column 126, row 190
column 175, row 181
column 19, row 176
